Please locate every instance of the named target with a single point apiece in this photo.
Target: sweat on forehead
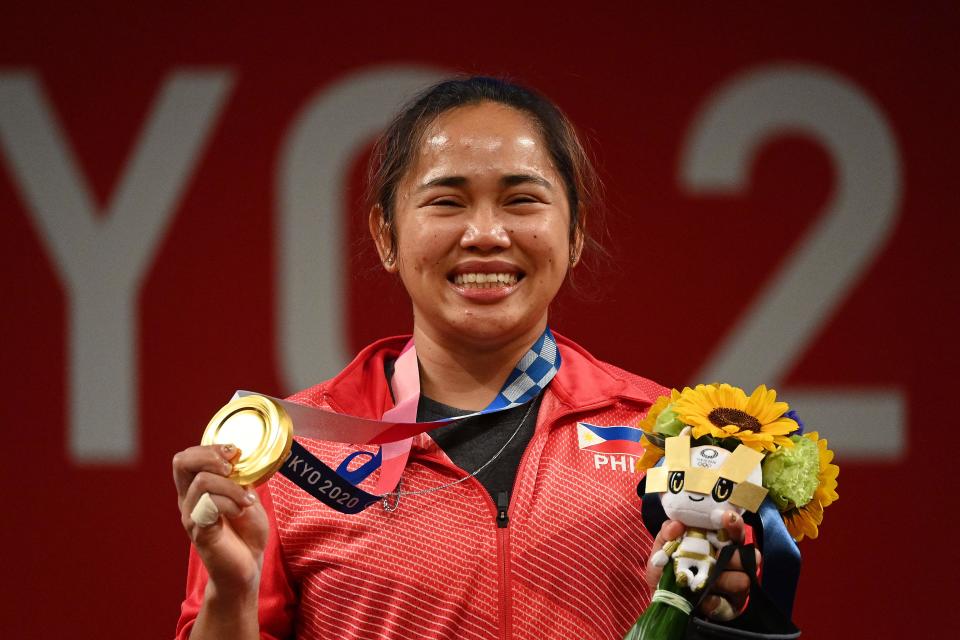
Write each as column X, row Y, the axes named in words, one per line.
column 485, row 127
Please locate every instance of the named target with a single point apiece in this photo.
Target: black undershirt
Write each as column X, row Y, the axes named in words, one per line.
column 471, row 442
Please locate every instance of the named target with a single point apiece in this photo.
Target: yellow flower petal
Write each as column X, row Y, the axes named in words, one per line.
column 651, row 455
column 757, row 401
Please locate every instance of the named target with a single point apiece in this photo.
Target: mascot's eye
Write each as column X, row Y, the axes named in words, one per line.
column 722, row 490
column 676, row 481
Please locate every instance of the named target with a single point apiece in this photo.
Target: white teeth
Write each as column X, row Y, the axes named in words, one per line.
column 485, row 280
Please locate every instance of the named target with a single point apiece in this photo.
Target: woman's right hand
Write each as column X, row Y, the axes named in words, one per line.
column 232, row 547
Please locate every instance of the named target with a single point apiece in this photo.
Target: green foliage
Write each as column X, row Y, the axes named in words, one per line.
column 661, row 621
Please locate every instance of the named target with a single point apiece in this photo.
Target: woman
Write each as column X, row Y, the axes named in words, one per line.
column 480, row 195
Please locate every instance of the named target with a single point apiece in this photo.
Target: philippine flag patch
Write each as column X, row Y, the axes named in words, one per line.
column 615, row 439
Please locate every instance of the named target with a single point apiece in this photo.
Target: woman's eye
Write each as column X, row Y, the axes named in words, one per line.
column 521, row 200
column 444, row 202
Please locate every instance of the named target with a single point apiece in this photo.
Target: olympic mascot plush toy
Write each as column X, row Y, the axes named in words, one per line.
column 698, row 485
column 713, row 449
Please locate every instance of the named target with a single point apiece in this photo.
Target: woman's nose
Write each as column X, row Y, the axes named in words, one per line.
column 485, row 230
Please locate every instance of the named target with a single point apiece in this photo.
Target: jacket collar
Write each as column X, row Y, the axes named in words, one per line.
column 361, row 389
column 588, row 381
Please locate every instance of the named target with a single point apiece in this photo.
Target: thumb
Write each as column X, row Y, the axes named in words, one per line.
column 671, row 530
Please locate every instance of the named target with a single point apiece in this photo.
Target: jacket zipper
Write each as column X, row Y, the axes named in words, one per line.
column 503, row 520
column 501, row 509
column 503, row 505
column 503, row 562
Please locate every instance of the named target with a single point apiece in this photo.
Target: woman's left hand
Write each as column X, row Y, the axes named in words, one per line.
column 732, row 586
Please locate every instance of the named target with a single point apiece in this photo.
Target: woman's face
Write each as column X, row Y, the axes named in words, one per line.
column 482, row 226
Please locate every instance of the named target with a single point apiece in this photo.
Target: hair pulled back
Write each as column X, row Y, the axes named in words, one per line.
column 395, row 150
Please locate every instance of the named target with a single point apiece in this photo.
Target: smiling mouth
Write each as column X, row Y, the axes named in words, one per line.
column 700, row 499
column 486, row 280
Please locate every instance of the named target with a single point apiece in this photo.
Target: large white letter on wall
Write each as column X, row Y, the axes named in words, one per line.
column 102, row 260
column 312, row 173
column 828, row 262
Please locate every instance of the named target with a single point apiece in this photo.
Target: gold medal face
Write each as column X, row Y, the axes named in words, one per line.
column 260, row 428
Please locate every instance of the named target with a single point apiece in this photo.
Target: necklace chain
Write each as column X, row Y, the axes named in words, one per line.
column 399, row 493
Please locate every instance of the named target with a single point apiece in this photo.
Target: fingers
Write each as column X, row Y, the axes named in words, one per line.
column 730, row 591
column 718, row 608
column 210, row 507
column 211, row 459
column 736, row 564
column 735, row 585
column 736, row 528
column 728, row 597
column 671, row 530
column 206, row 512
column 733, row 524
column 229, row 497
column 204, row 521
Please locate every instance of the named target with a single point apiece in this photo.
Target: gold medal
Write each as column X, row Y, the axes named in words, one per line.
column 260, row 428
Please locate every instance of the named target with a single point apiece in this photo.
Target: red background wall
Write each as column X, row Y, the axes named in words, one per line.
column 94, row 549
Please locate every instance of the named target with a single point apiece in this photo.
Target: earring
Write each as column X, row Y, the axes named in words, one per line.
column 388, row 262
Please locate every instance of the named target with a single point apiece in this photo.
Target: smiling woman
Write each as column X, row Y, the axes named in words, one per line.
column 479, row 236
column 510, row 527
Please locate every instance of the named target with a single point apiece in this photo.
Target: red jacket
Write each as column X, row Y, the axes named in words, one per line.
column 568, row 565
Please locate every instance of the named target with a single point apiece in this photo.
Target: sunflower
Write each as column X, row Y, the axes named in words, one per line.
column 724, row 411
column 804, row 521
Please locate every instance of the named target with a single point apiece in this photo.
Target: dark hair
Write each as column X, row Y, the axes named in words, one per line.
column 395, row 150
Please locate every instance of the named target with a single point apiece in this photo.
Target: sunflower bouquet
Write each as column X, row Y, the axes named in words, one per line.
column 713, row 448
